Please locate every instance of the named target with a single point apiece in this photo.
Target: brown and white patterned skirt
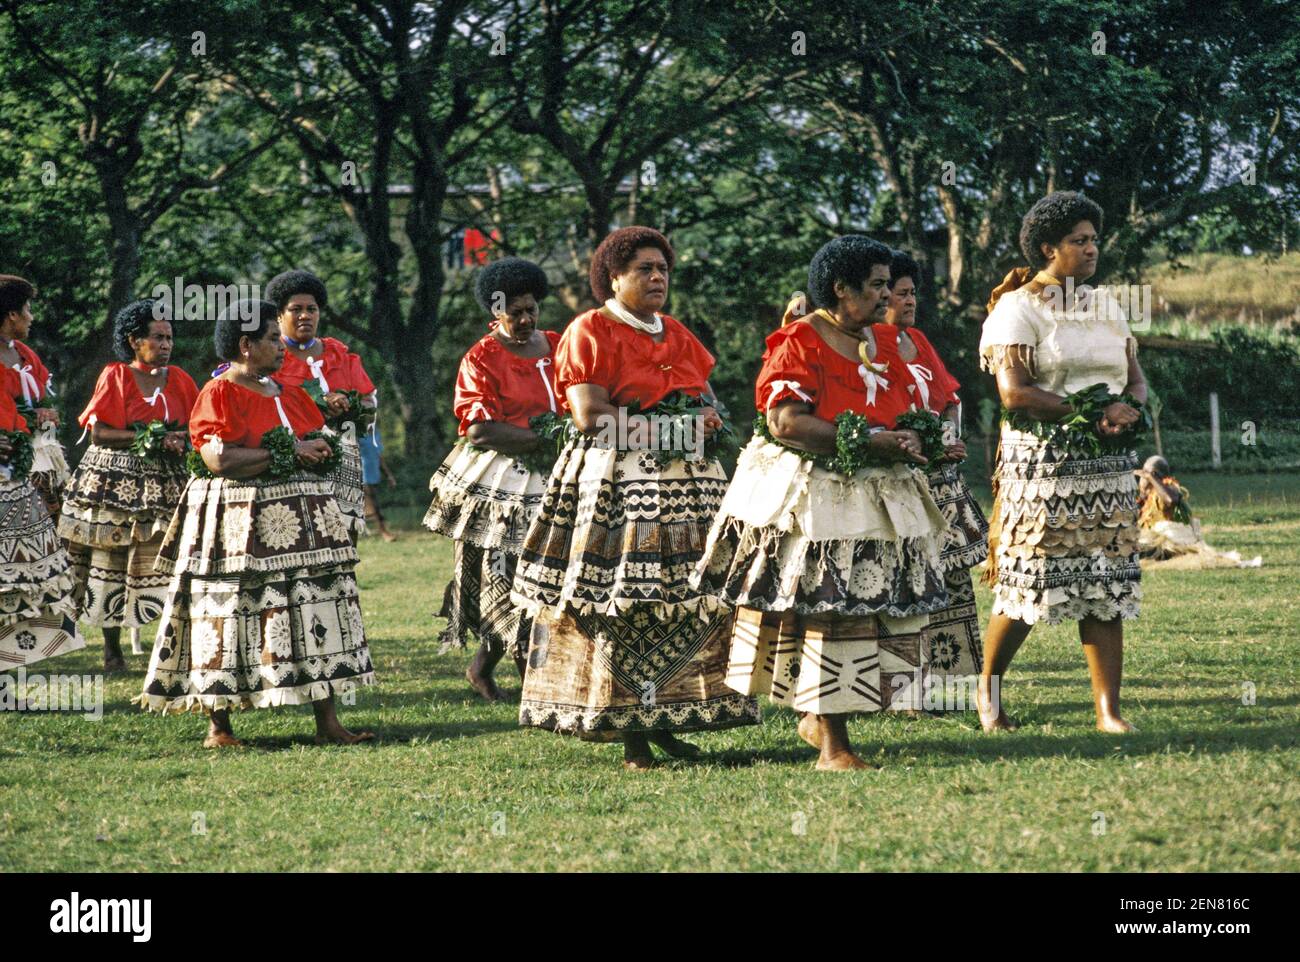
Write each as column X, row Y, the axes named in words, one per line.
column 477, row 603
column 1064, row 534
column 262, row 609
column 598, row 676
column 37, row 610
column 484, row 498
column 116, row 508
column 349, row 485
column 622, row 641
column 828, row 664
column 951, row 641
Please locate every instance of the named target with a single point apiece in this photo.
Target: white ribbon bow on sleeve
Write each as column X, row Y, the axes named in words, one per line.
column 873, row 380
column 542, row 364
column 31, row 389
column 921, row 374
column 284, row 418
column 317, row 367
column 779, row 386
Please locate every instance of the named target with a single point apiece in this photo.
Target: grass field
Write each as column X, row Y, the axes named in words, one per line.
column 1208, row 783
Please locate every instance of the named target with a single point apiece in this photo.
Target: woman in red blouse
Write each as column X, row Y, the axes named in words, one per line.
column 31, row 391
column 625, row 646
column 37, row 607
column 327, row 370
column 118, row 503
column 484, row 495
column 824, row 566
column 262, row 608
column 951, row 641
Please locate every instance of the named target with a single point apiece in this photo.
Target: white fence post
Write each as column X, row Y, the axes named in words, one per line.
column 1215, row 457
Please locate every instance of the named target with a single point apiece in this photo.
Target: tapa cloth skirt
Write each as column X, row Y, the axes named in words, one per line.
column 116, row 507
column 49, row 472
column 349, row 488
column 477, row 603
column 622, row 641
column 615, row 531
column 37, row 610
column 484, row 498
column 1063, row 540
column 599, row 676
column 951, row 640
column 829, row 664
column 790, row 536
column 262, row 609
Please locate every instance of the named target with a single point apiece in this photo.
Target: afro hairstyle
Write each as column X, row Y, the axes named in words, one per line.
column 847, row 259
column 512, row 276
column 133, row 321
column 282, row 288
column 231, row 326
column 1051, row 219
column 14, row 293
column 616, row 252
column 902, row 264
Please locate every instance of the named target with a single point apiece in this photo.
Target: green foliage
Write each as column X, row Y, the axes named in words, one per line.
column 853, row 451
column 20, row 458
column 930, row 428
column 1078, row 430
column 148, row 441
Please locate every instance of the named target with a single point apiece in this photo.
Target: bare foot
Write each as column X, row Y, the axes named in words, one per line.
column 842, row 762
column 810, row 730
column 1114, row 725
column 114, row 664
column 486, row 687
column 638, row 763
column 388, row 535
column 341, row 736
column 991, row 721
column 222, row 740
column 674, row 746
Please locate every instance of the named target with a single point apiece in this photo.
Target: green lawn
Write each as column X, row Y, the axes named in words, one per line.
column 1208, row 783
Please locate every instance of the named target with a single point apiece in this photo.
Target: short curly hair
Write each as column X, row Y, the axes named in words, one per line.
column 616, row 252
column 282, row 288
column 133, row 321
column 1052, row 218
column 902, row 264
column 14, row 293
column 847, row 259
column 512, row 276
column 241, row 319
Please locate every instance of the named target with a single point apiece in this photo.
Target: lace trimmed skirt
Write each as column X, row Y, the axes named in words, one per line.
column 484, row 498
column 37, row 610
column 790, row 536
column 116, row 508
column 262, row 608
column 1064, row 534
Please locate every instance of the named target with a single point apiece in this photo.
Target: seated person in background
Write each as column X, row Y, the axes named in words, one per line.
column 1166, row 526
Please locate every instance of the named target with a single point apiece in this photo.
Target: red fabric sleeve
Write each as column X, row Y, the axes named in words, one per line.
column 789, row 371
column 217, row 411
column 182, row 392
column 10, row 419
column 583, row 358
column 303, row 413
column 476, row 392
column 360, row 379
column 108, row 403
column 39, row 371
column 944, row 380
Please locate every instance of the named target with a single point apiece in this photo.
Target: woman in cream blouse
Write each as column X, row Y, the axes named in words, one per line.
column 1063, row 539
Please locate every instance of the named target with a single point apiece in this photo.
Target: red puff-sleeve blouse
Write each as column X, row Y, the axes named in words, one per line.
column 599, row 349
column 494, row 384
column 799, row 365
column 341, row 368
column 32, row 380
column 10, row 419
column 929, row 383
column 118, row 403
column 241, row 416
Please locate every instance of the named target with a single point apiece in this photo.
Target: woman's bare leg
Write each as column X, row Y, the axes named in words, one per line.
column 1002, row 639
column 1103, row 646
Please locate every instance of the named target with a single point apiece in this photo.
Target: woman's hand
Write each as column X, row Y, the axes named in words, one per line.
column 47, row 416
column 712, row 421
column 174, row 442
column 1117, row 418
column 312, row 452
column 336, row 403
column 955, row 451
column 6, row 449
column 899, row 446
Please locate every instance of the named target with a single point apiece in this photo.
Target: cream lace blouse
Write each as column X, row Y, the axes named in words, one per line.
column 1065, row 347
